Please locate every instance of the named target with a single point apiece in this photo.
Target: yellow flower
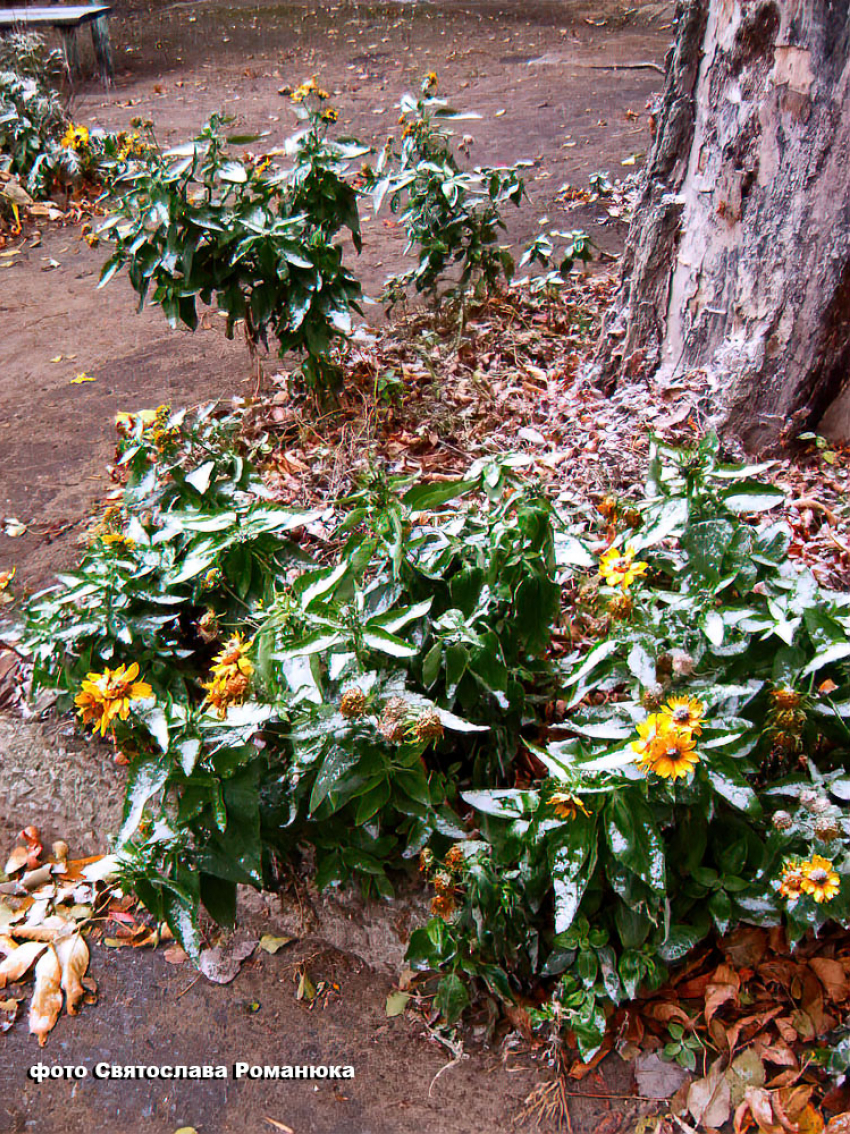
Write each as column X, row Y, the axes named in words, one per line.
column 6, row 577
column 231, row 676
column 75, row 138
column 232, row 660
column 330, row 115
column 118, row 537
column 685, row 713
column 792, row 879
column 619, row 569
column 430, row 80
column 107, row 695
column 819, row 880
column 664, row 749
column 567, row 805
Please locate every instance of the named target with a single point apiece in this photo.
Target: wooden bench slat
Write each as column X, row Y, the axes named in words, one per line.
column 60, row 16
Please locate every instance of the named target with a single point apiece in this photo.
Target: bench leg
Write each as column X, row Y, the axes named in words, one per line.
column 71, row 52
column 102, row 49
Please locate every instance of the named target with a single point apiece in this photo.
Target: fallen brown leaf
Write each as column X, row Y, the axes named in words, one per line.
column 46, row 1001
column 73, row 954
column 18, row 963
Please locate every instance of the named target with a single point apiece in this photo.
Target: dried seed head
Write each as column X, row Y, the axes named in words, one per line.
column 653, row 698
column 352, row 704
column 620, row 607
column 827, row 829
column 426, row 859
column 428, row 726
column 782, row 820
column 391, row 722
column 60, row 850
column 683, row 664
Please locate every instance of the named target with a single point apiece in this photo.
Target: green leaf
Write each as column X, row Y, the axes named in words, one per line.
column 572, row 861
column 634, row 840
column 504, row 803
column 397, row 619
column 735, row 790
column 706, row 544
column 219, row 898
column 200, row 477
column 336, row 763
column 752, row 496
column 182, row 919
column 377, row 639
column 431, row 665
column 452, row 998
column 145, row 779
column 827, row 657
column 423, row 497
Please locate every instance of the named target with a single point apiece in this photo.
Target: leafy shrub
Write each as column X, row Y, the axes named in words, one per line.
column 637, row 843
column 387, row 691
column 32, row 117
column 38, row 141
column 346, row 674
column 451, row 216
column 197, row 223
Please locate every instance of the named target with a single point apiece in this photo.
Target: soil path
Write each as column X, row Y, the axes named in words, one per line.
column 543, row 81
column 532, row 76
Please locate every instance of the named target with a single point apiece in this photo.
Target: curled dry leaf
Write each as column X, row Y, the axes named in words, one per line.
column 47, row 996
column 18, row 859
column 19, row 961
column 73, row 954
column 724, row 987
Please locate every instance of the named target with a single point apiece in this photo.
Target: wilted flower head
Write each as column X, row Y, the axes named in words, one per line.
column 207, row 624
column 683, row 664
column 827, row 829
column 567, row 805
column 782, row 820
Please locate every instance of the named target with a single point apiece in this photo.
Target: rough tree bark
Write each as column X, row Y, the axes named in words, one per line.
column 737, row 265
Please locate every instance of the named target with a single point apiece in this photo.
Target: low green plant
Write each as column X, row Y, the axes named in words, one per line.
column 574, row 247
column 381, row 688
column 638, row 841
column 335, row 730
column 32, row 116
column 197, row 223
column 453, row 217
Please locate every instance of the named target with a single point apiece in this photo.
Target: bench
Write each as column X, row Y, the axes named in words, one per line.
column 68, row 18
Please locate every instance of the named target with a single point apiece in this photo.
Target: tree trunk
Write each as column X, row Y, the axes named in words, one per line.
column 737, row 265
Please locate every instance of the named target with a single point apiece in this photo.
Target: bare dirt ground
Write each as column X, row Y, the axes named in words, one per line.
column 550, row 82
